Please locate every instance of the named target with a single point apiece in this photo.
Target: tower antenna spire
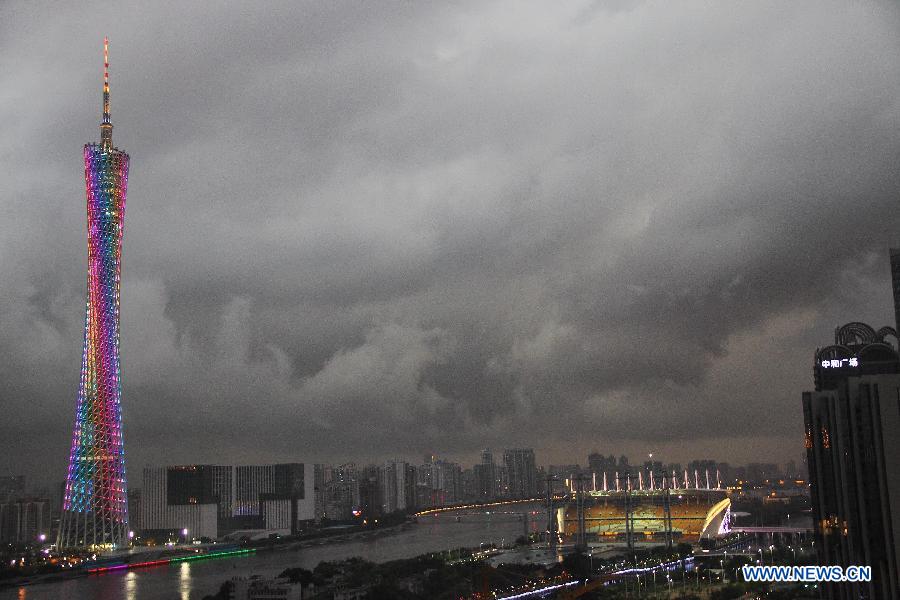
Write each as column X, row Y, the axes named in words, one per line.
column 106, row 126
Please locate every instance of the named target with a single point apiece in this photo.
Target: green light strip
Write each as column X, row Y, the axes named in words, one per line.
column 213, row 555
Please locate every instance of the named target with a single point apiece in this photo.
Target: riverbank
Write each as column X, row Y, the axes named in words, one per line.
column 194, row 580
column 145, row 557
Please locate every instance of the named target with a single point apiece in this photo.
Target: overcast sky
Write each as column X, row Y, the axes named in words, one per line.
column 358, row 230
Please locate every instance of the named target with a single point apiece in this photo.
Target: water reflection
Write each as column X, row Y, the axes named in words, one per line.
column 184, row 581
column 192, row 581
column 131, row 586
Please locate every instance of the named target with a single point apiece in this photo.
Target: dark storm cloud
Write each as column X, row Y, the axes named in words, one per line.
column 365, row 229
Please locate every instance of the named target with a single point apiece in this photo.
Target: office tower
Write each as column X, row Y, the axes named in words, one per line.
column 95, row 504
column 895, row 281
column 853, row 452
column 522, row 473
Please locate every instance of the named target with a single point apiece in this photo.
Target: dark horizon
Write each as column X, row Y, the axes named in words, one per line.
column 359, row 232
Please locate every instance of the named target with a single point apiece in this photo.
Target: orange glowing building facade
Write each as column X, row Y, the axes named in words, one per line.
column 693, row 514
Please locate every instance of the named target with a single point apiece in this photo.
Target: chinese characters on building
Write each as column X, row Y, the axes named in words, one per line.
column 835, row 363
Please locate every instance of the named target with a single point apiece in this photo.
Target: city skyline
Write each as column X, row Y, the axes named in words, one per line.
column 400, row 232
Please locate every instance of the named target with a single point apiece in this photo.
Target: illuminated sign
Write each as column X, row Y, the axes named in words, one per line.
column 838, row 363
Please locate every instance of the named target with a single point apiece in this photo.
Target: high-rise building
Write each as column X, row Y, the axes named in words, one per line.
column 289, row 480
column 134, row 510
column 370, row 491
column 895, row 281
column 341, row 492
column 468, row 485
column 564, row 472
column 438, row 483
column 522, row 473
column 394, row 486
column 791, row 471
column 486, row 477
column 853, row 453
column 602, row 468
column 26, row 520
column 95, row 504
column 322, row 473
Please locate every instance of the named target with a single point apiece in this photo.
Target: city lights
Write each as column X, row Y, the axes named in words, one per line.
column 95, row 505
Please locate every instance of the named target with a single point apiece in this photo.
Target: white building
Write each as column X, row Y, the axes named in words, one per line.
column 393, row 482
column 277, row 511
column 200, row 520
column 250, row 481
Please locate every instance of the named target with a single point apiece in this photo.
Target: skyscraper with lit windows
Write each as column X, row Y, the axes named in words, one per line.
column 852, row 445
column 95, row 502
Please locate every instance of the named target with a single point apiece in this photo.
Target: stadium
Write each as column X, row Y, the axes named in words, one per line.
column 689, row 514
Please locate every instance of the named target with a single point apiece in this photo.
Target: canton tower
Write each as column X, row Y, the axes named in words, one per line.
column 95, row 504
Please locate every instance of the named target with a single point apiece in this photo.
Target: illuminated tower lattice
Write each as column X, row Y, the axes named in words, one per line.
column 95, row 505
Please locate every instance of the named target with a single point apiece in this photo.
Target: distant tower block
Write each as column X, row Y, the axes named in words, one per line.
column 95, row 505
column 895, row 280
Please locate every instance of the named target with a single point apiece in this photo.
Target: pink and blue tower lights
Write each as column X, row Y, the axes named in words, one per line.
column 95, row 504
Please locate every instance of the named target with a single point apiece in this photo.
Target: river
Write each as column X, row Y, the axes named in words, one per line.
column 193, row 580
